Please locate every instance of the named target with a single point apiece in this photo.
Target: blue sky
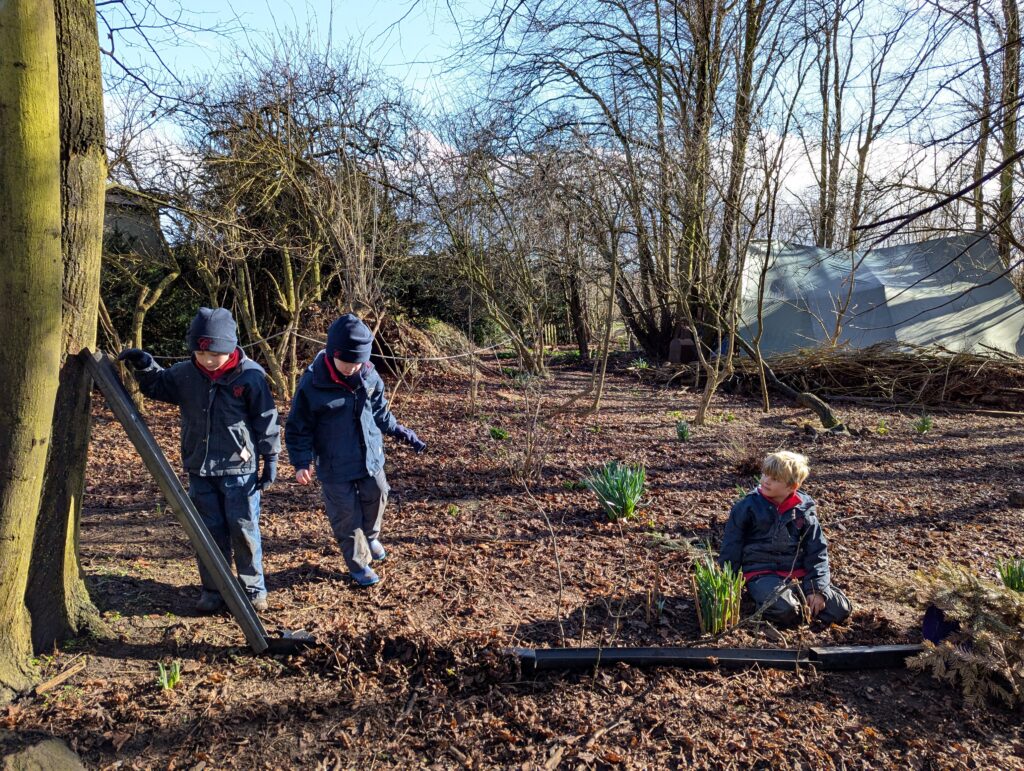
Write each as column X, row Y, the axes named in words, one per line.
column 409, row 40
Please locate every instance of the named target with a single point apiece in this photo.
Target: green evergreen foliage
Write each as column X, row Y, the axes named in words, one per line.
column 618, row 488
column 985, row 657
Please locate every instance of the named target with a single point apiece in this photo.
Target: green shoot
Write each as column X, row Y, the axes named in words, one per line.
column 498, row 433
column 618, row 488
column 169, row 677
column 1012, row 573
column 924, row 424
column 683, row 431
column 717, row 592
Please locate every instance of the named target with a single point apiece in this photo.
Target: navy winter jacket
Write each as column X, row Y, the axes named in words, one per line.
column 757, row 538
column 338, row 427
column 225, row 423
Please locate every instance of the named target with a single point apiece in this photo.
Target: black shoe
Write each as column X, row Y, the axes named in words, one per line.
column 209, row 602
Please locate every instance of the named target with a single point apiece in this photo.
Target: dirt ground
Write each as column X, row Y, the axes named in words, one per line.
column 412, row 672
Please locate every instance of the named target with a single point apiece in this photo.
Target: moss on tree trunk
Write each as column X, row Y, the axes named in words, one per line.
column 30, row 308
column 57, row 597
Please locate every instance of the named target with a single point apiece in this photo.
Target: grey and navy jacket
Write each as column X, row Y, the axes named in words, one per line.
column 762, row 538
column 339, row 426
column 225, row 423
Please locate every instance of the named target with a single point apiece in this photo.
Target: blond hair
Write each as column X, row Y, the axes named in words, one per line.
column 790, row 468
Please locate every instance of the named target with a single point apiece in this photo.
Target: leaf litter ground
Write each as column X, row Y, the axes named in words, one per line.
column 412, row 673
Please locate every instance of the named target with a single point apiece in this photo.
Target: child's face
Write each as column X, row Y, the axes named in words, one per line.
column 211, row 361
column 775, row 490
column 346, row 368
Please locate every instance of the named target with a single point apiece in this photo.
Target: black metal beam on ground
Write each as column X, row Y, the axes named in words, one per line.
column 845, row 657
column 826, row 658
column 103, row 372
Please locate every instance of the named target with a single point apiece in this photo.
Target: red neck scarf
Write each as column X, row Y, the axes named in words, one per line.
column 337, row 377
column 223, row 369
column 790, row 503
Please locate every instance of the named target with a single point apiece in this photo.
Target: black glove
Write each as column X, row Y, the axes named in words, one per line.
column 410, row 438
column 269, row 474
column 137, row 357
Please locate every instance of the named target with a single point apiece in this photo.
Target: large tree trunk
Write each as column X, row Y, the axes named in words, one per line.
column 30, row 288
column 57, row 597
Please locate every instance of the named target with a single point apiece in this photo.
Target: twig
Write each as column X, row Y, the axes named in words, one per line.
column 67, row 674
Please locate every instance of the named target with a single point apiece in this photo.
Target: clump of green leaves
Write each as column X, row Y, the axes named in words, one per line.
column 1011, row 572
column 168, row 677
column 924, row 424
column 675, row 414
column 618, row 488
column 452, row 510
column 717, row 591
column 683, row 431
column 882, row 428
column 639, row 363
column 572, row 484
column 499, row 433
column 728, row 417
column 741, row 492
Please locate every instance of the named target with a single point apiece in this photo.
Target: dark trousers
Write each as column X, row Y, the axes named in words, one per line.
column 784, row 603
column 230, row 508
column 355, row 511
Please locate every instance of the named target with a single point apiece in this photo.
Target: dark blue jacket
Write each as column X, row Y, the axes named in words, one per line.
column 225, row 423
column 339, row 427
column 758, row 538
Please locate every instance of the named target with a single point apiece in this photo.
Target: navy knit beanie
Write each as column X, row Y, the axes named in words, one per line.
column 213, row 330
column 350, row 340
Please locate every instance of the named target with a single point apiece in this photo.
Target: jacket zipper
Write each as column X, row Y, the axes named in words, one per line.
column 209, row 414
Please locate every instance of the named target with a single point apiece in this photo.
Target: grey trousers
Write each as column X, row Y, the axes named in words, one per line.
column 785, row 609
column 355, row 511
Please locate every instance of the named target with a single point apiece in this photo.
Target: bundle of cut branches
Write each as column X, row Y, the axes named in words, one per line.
column 900, row 374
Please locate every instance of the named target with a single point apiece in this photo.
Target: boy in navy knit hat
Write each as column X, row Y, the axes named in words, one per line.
column 338, row 418
column 228, row 420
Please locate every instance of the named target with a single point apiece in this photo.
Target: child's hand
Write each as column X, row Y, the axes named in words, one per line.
column 304, row 476
column 815, row 603
column 138, row 358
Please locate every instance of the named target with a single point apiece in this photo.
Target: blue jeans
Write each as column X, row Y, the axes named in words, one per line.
column 230, row 508
column 355, row 510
